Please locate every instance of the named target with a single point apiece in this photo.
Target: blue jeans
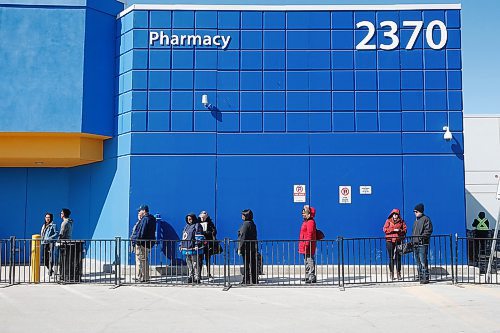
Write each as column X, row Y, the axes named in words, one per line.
column 420, row 253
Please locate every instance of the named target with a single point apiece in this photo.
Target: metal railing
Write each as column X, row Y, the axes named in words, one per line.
column 472, row 257
column 367, row 260
column 338, row 263
column 279, row 263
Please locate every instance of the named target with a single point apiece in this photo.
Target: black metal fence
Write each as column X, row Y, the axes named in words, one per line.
column 225, row 263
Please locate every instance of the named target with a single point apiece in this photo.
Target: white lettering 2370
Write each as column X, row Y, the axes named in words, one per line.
column 391, row 34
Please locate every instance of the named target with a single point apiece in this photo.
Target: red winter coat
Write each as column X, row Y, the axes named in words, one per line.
column 307, row 244
column 390, row 225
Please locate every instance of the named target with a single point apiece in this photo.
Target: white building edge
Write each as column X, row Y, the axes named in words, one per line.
column 482, row 166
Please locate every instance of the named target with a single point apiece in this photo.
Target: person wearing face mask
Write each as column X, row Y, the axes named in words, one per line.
column 395, row 232
column 192, row 247
column 422, row 231
column 307, row 242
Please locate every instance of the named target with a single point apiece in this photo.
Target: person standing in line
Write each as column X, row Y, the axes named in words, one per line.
column 422, row 231
column 481, row 227
column 143, row 238
column 210, row 233
column 49, row 235
column 395, row 232
column 307, row 242
column 192, row 247
column 66, row 231
column 247, row 247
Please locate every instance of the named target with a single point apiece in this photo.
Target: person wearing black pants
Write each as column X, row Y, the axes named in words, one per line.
column 247, row 247
column 395, row 232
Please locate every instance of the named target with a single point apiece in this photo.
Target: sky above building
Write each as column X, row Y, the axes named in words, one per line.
column 480, row 43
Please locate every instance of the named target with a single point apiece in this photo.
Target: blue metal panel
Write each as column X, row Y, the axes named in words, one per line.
column 251, row 101
column 251, row 122
column 440, row 188
column 355, row 143
column 160, row 19
column 274, row 122
column 269, row 144
column 366, row 212
column 265, row 185
column 274, row 20
column 206, row 19
column 13, row 195
column 159, row 121
column 432, row 143
column 182, row 121
column 172, row 143
column 251, row 20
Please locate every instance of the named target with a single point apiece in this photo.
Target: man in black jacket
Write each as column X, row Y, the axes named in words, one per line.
column 422, row 230
column 143, row 238
column 247, row 247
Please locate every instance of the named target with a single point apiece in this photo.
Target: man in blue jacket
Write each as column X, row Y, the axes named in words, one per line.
column 143, row 238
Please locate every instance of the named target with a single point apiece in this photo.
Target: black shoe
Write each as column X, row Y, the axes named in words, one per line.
column 189, row 280
column 304, row 279
column 311, row 281
column 424, row 282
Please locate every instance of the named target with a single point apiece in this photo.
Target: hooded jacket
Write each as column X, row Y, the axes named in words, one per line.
column 307, row 238
column 247, row 236
column 390, row 225
column 192, row 237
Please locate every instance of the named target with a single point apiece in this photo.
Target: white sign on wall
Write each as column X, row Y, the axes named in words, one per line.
column 299, row 193
column 344, row 194
column 498, row 191
column 365, row 189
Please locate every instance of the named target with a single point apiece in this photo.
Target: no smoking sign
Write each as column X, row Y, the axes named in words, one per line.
column 299, row 193
column 344, row 194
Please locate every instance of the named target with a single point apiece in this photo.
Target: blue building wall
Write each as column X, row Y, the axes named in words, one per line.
column 57, row 66
column 294, row 103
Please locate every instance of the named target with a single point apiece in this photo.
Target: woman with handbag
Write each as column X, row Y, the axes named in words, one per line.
column 210, row 233
column 395, row 232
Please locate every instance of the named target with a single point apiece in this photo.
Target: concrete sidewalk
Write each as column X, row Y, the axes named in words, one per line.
column 437, row 307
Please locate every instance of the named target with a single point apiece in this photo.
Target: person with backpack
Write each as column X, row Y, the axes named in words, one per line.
column 395, row 232
column 307, row 242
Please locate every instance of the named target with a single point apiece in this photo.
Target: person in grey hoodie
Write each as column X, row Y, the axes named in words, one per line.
column 422, row 230
column 66, row 225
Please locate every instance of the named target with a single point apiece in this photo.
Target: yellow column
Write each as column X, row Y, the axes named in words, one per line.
column 35, row 258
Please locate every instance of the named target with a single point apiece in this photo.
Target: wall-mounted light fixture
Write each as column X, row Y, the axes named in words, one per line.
column 447, row 134
column 206, row 104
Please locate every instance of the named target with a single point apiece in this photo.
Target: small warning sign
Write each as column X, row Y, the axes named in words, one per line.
column 344, row 194
column 299, row 193
column 365, row 189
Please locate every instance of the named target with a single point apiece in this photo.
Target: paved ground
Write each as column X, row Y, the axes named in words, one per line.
column 439, row 307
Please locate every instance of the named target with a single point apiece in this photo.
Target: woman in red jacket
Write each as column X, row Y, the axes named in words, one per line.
column 395, row 232
column 307, row 243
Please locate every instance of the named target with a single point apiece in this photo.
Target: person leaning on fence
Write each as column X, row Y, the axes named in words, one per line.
column 49, row 236
column 395, row 232
column 422, row 231
column 192, row 247
column 247, row 247
column 210, row 233
column 143, row 238
column 307, row 243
